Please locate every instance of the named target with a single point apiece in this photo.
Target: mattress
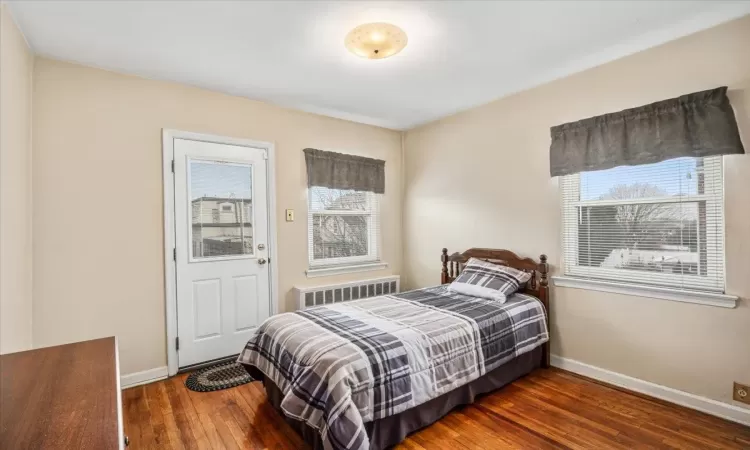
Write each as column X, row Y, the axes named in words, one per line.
column 344, row 365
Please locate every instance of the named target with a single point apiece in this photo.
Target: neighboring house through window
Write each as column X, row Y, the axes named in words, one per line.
column 656, row 224
column 343, row 227
column 221, row 226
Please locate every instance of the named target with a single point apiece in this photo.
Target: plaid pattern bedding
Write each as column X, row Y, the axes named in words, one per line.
column 345, row 364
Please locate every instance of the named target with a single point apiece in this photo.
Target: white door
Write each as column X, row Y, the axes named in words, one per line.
column 221, row 231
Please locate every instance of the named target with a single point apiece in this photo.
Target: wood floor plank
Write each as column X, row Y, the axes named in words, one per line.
column 131, row 414
column 647, row 408
column 530, row 421
column 188, row 438
column 548, row 409
column 212, row 435
column 170, row 421
column 144, row 417
column 203, row 412
column 522, row 437
column 222, row 428
column 236, row 431
column 178, row 394
column 257, row 419
column 472, row 433
column 659, row 418
column 245, row 418
column 409, row 444
column 624, row 424
column 266, row 415
column 158, row 428
column 430, row 439
column 576, row 421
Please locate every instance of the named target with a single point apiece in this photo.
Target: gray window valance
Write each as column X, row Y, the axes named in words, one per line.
column 339, row 171
column 698, row 124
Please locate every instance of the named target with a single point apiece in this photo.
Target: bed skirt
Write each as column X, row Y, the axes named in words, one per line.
column 388, row 431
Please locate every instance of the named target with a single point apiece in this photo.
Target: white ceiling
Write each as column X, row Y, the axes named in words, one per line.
column 460, row 53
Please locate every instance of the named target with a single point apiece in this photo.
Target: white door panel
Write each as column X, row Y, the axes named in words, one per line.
column 245, row 314
column 206, row 308
column 221, row 231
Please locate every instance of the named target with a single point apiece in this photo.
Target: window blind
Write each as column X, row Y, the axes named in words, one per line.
column 343, row 226
column 658, row 224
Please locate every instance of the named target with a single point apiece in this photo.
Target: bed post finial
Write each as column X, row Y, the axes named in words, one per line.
column 543, row 270
column 444, row 273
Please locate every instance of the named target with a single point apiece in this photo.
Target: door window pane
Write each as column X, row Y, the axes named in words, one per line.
column 221, row 209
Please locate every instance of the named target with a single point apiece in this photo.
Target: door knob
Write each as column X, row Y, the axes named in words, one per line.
column 261, row 261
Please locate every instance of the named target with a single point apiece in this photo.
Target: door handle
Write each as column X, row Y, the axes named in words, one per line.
column 261, row 261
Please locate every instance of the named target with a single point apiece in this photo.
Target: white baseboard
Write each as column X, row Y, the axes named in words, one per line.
column 146, row 376
column 686, row 399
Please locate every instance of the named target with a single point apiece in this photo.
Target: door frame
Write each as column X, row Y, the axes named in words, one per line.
column 170, row 266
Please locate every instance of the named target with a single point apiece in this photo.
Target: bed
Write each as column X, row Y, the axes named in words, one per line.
column 366, row 373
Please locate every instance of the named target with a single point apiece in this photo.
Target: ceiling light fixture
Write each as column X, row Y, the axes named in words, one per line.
column 376, row 40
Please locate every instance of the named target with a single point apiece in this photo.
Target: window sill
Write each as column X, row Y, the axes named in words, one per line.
column 315, row 272
column 701, row 298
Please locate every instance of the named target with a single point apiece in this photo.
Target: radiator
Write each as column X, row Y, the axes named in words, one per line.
column 335, row 293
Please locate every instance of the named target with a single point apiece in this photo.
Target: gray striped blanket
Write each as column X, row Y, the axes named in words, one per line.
column 342, row 365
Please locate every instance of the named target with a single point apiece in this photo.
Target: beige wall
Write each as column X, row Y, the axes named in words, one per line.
column 98, row 239
column 481, row 178
column 16, row 63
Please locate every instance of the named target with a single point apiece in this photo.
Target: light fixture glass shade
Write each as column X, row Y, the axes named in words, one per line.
column 376, row 40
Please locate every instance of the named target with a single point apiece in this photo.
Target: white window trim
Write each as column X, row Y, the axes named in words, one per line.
column 667, row 280
column 315, row 272
column 578, row 276
column 678, row 295
column 352, row 264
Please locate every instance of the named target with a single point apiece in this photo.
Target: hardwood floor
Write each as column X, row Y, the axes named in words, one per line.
column 545, row 410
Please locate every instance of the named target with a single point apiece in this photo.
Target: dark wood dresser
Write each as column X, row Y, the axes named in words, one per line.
column 63, row 397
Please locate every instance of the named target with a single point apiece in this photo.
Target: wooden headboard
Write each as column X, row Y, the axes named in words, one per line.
column 538, row 285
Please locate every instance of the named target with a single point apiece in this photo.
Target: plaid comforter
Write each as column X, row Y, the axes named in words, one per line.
column 345, row 364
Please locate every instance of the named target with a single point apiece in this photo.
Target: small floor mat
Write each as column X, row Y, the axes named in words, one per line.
column 219, row 376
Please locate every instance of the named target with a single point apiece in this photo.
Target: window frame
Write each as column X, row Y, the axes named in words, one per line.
column 713, row 196
column 372, row 213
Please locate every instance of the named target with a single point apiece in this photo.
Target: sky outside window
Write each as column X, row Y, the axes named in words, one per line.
column 674, row 177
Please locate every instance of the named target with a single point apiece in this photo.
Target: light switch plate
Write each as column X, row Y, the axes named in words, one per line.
column 290, row 215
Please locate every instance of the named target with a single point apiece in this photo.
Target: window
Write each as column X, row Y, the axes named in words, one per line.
column 219, row 230
column 656, row 224
column 343, row 227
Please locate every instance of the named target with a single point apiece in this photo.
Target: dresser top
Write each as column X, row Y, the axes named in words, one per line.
column 65, row 396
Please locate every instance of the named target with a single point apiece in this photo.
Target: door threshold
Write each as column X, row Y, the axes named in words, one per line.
column 211, row 362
